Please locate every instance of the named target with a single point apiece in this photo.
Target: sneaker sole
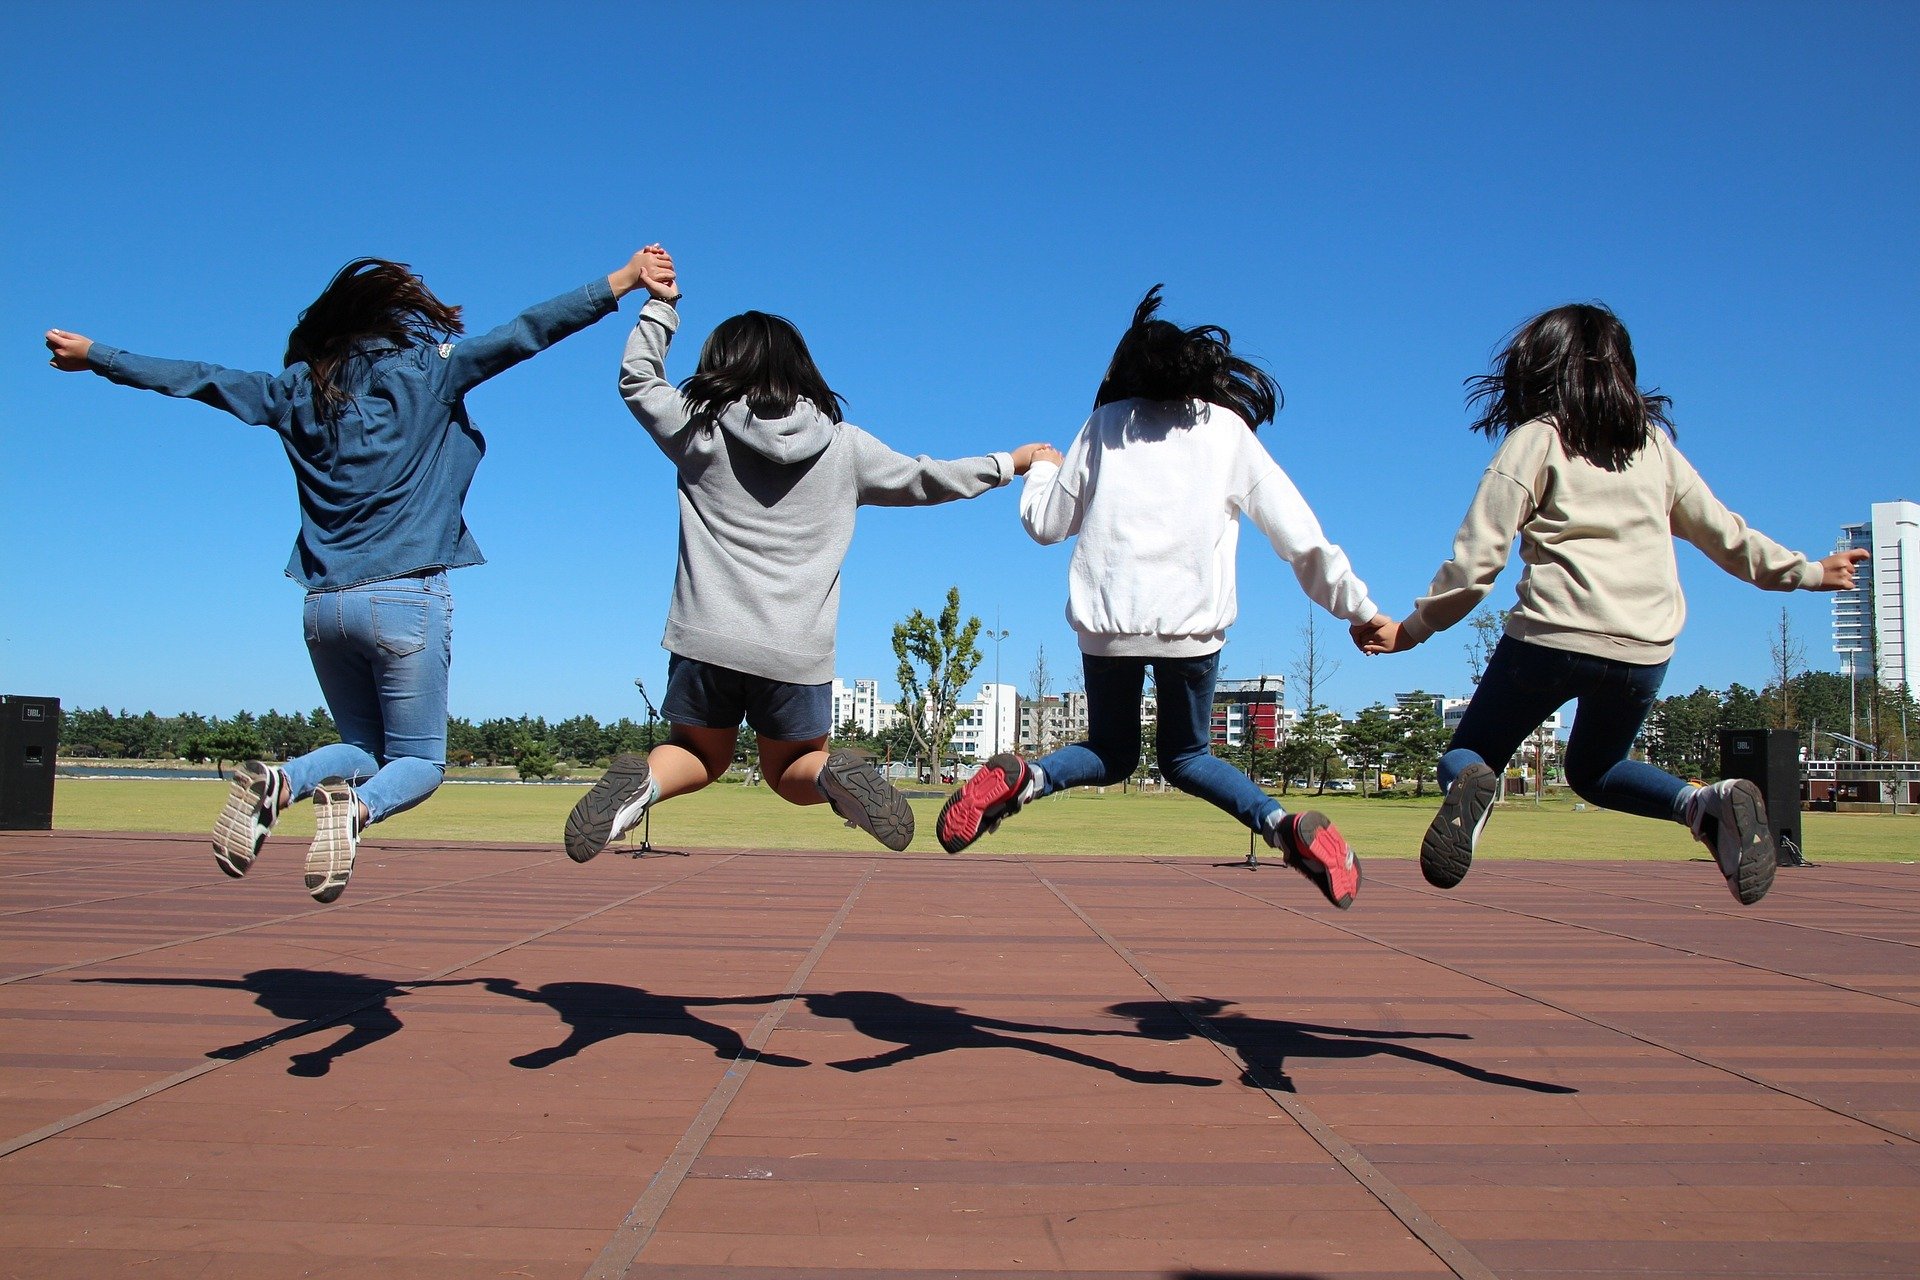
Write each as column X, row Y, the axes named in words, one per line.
column 1753, row 875
column 889, row 818
column 1447, row 849
column 1322, row 854
column 590, row 825
column 330, row 856
column 967, row 815
column 236, row 835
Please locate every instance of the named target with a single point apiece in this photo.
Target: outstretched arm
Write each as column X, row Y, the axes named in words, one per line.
column 472, row 361
column 1704, row 520
column 1480, row 551
column 260, row 399
column 1274, row 505
column 655, row 403
column 889, row 479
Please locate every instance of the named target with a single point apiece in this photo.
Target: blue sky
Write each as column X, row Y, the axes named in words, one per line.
column 959, row 205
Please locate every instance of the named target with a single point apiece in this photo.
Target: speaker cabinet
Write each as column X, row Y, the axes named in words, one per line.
column 1770, row 759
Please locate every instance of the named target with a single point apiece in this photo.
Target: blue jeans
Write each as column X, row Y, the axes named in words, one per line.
column 1184, row 697
column 1525, row 683
column 381, row 652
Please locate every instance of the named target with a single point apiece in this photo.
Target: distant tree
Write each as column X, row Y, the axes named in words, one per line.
column 1683, row 734
column 1423, row 738
column 1317, row 732
column 1788, row 654
column 1369, row 740
column 938, row 656
column 533, row 759
column 1744, row 708
column 1040, row 685
column 235, row 742
column 1488, row 626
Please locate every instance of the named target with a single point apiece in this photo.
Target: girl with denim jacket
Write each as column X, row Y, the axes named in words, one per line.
column 371, row 411
column 1596, row 492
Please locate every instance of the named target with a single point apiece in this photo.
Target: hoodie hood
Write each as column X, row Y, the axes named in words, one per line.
column 795, row 438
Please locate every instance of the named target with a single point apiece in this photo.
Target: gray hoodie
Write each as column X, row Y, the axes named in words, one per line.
column 766, row 515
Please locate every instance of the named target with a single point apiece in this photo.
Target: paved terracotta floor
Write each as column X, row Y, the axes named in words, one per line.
column 489, row 1062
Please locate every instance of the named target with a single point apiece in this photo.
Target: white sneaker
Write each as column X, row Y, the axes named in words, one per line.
column 253, row 804
column 336, row 839
column 1730, row 818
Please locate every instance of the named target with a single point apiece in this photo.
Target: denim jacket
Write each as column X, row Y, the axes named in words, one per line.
column 381, row 488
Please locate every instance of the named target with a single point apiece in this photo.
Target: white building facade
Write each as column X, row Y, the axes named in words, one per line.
column 1876, row 626
column 989, row 724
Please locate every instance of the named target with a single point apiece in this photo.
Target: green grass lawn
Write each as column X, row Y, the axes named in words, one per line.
column 1079, row 822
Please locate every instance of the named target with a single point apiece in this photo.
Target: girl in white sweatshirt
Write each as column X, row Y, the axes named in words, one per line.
column 1596, row 492
column 1154, row 485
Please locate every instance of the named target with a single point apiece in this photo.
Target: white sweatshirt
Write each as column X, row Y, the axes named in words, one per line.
column 1155, row 491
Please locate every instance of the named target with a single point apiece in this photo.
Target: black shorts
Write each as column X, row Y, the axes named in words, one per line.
column 705, row 696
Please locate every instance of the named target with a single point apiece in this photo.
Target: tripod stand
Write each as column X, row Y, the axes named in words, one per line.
column 646, row 819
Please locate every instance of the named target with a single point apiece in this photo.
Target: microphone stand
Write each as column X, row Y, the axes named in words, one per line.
column 646, row 819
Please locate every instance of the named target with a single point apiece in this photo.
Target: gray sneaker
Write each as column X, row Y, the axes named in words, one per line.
column 1730, row 818
column 1447, row 849
column 336, row 839
column 611, row 809
column 866, row 800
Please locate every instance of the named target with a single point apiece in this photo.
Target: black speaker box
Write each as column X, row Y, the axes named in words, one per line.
column 29, row 740
column 1770, row 759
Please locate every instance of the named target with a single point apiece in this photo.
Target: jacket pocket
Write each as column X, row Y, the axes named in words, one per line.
column 399, row 624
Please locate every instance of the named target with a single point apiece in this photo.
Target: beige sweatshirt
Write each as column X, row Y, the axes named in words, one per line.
column 1600, row 575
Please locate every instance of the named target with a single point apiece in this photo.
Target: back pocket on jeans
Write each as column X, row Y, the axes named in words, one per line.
column 399, row 625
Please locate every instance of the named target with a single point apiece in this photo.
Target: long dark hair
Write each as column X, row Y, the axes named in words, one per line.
column 1573, row 365
column 763, row 360
column 1158, row 360
column 367, row 298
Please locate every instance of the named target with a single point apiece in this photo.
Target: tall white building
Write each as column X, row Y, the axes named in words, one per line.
column 989, row 724
column 860, row 702
column 1876, row 626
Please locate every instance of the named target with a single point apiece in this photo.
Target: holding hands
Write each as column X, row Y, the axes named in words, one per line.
column 650, row 269
column 1027, row 454
column 1380, row 635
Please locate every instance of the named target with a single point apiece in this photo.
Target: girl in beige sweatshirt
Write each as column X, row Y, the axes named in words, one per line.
column 1588, row 476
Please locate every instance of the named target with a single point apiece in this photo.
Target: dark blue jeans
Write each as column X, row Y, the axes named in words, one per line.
column 1184, row 697
column 1525, row 683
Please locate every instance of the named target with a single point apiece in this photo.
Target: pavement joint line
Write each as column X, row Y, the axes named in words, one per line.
column 203, row 844
column 636, row 1229
column 1728, row 914
column 261, row 924
column 1772, row 1086
column 284, row 1034
column 1458, row 1258
column 1669, row 946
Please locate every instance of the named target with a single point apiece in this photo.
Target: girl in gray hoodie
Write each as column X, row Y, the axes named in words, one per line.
column 769, row 479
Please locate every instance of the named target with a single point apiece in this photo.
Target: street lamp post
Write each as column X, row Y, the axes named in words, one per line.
column 997, row 634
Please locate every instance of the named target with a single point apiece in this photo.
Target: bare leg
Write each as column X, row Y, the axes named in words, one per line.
column 793, row 768
column 690, row 758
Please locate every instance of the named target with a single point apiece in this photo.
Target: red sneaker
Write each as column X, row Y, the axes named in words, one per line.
column 1313, row 846
column 978, row 806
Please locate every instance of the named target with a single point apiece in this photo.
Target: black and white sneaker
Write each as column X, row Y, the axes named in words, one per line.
column 336, row 839
column 253, row 804
column 1730, row 818
column 611, row 809
column 1447, row 850
column 859, row 793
